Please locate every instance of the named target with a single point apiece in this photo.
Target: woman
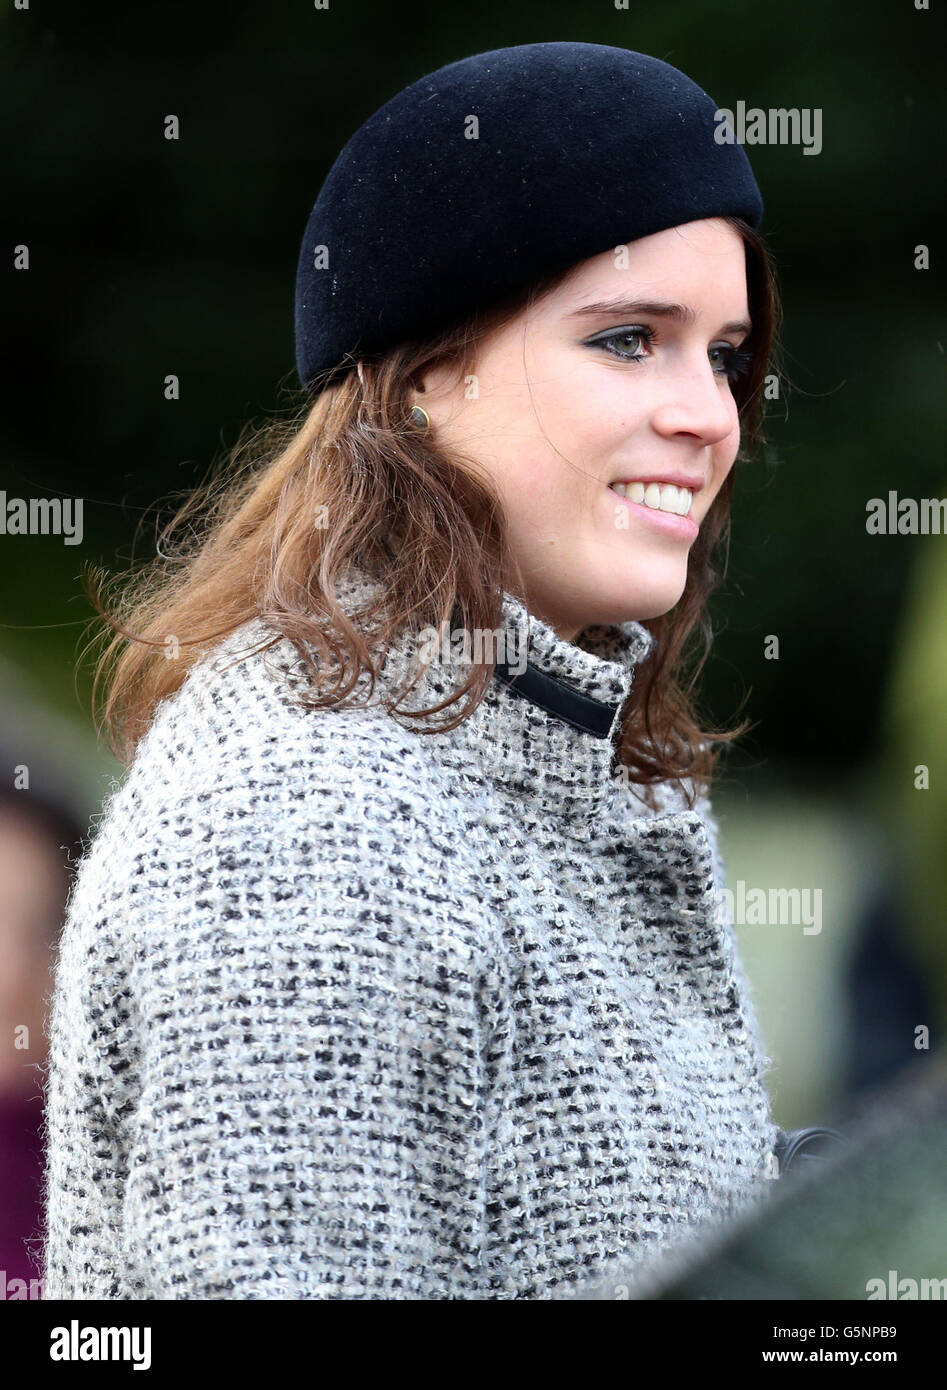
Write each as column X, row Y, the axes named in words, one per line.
column 397, row 968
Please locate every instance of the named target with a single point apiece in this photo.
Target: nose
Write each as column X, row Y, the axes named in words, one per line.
column 695, row 400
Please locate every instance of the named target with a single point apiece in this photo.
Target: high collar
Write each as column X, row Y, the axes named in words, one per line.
column 582, row 683
column 547, row 733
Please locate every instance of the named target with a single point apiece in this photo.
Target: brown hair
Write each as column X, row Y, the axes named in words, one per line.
column 418, row 516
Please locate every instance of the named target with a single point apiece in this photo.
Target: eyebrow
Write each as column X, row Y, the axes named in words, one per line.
column 630, row 308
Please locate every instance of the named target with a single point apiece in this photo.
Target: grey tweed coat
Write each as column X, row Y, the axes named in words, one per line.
column 343, row 1010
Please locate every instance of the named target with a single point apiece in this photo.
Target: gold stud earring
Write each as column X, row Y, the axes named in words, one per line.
column 420, row 417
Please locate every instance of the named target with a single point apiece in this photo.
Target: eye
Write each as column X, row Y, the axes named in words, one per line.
column 607, row 342
column 735, row 363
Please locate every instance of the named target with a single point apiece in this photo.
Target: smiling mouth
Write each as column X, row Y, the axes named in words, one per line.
column 661, row 497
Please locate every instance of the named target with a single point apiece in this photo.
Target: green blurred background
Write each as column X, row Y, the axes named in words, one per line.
column 149, row 257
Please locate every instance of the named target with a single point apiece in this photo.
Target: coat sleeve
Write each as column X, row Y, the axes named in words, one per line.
column 265, row 1069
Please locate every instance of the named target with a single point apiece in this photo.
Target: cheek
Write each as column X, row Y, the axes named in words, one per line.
column 589, row 419
column 613, row 405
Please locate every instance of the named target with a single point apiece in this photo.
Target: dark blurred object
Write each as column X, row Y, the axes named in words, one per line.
column 800, row 1148
column 872, row 1213
column 886, row 989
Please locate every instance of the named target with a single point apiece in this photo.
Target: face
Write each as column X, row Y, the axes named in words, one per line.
column 574, row 397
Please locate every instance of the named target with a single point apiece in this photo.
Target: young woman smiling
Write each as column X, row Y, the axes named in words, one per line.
column 392, row 972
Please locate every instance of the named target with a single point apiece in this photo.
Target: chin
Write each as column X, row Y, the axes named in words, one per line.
column 643, row 613
column 640, row 601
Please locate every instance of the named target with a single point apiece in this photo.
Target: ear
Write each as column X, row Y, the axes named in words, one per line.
column 436, row 382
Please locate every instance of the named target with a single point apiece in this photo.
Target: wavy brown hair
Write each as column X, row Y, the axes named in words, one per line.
column 419, row 516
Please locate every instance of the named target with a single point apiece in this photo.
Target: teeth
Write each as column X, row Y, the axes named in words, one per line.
column 663, row 497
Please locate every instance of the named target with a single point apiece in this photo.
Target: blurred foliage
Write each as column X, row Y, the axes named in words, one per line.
column 912, row 784
column 150, row 257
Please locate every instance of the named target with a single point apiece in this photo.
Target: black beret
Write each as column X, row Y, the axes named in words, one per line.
column 428, row 214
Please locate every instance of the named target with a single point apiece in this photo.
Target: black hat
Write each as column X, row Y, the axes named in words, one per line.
column 496, row 171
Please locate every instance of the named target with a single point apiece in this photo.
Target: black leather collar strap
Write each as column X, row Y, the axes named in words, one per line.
column 594, row 717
